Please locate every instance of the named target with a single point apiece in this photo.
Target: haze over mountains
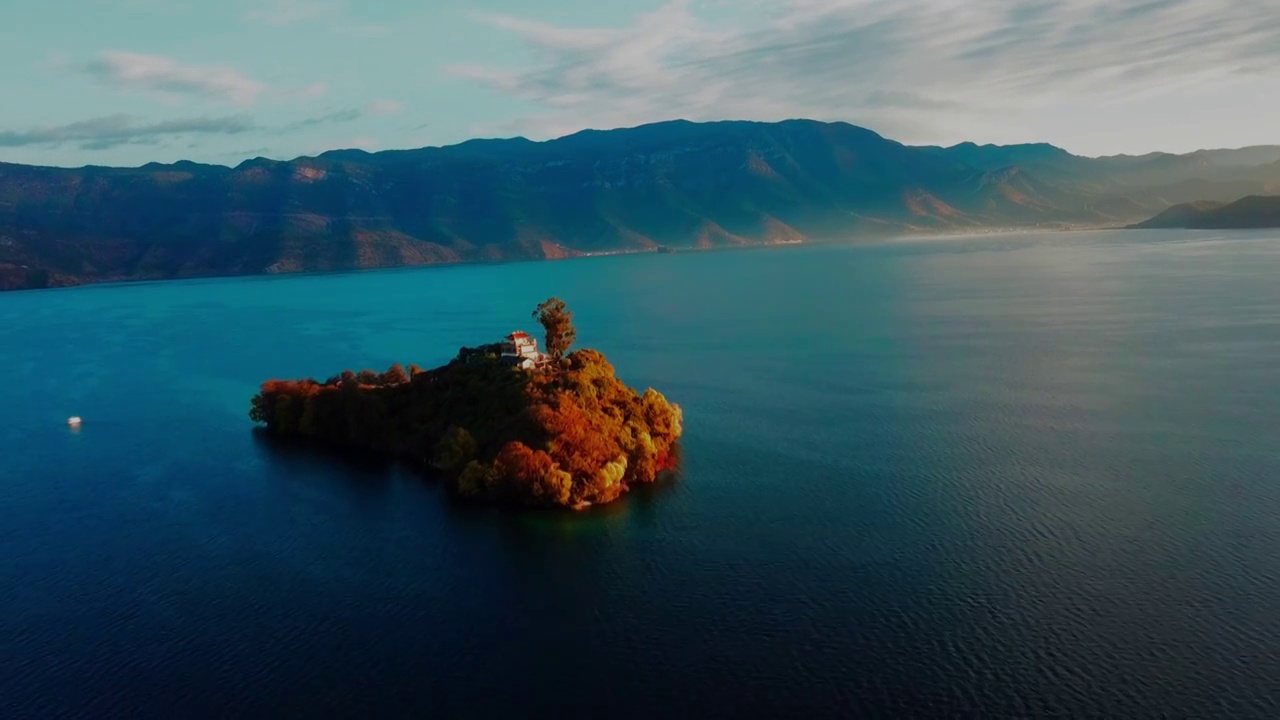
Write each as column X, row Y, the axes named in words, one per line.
column 1255, row 211
column 678, row 184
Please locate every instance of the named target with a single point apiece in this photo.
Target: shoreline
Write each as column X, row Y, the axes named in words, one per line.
column 671, row 250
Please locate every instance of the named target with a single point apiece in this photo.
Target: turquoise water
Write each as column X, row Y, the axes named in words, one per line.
column 1002, row 476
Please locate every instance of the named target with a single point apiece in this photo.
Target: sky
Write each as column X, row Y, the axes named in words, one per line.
column 125, row 82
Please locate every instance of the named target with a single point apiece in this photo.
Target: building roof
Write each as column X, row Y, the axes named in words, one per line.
column 518, row 334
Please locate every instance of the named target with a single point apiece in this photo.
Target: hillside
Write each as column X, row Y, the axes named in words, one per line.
column 1247, row 213
column 677, row 184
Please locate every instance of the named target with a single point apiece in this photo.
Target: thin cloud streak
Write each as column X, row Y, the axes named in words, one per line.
column 341, row 116
column 109, row 131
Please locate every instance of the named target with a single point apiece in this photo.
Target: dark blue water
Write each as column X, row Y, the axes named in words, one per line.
column 1020, row 476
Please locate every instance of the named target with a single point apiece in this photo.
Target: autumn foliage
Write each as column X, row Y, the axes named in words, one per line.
column 569, row 435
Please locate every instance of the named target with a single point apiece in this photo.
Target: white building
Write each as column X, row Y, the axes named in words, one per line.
column 521, row 349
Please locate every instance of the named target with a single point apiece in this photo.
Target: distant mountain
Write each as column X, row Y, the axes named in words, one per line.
column 1219, row 172
column 1246, row 156
column 675, row 184
column 995, row 157
column 1250, row 212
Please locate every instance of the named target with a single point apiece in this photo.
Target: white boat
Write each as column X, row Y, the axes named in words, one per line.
column 74, row 421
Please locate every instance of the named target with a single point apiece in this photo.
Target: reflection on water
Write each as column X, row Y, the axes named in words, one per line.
column 298, row 458
column 371, row 477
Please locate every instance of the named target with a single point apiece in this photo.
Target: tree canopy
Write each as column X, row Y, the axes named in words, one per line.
column 557, row 320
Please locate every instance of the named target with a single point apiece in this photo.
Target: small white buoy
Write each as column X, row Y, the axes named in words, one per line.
column 74, row 421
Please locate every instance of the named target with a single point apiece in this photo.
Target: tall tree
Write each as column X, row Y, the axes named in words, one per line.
column 557, row 320
column 394, row 375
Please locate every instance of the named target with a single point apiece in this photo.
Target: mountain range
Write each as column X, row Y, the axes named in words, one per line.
column 672, row 184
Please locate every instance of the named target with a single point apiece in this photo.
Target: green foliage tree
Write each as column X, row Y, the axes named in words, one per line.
column 557, row 320
column 259, row 408
column 455, row 450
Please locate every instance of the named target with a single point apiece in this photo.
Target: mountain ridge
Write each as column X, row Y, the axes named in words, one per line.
column 677, row 184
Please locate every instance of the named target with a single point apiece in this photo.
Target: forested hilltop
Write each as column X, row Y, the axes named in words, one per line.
column 503, row 423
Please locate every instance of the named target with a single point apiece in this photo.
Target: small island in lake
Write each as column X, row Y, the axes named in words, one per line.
column 502, row 422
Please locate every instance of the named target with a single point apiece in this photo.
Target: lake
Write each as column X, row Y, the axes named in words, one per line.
column 992, row 476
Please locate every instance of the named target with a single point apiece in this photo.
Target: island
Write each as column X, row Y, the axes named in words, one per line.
column 1250, row 213
column 502, row 422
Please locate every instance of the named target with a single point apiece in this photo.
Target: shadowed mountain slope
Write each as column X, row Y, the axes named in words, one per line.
column 1250, row 212
column 677, row 184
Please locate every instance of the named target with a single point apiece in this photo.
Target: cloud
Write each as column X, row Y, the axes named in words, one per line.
column 156, row 73
column 892, row 64
column 110, row 131
column 386, row 107
column 341, row 116
column 246, row 153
